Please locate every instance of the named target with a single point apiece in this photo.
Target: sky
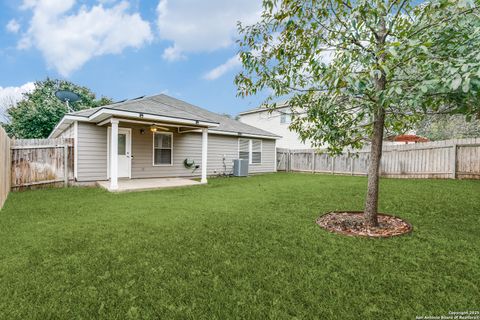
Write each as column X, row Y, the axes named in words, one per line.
column 128, row 48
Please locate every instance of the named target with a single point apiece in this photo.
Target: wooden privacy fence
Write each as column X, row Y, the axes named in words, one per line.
column 4, row 166
column 41, row 161
column 455, row 159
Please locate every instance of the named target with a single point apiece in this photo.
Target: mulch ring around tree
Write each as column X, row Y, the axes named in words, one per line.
column 352, row 224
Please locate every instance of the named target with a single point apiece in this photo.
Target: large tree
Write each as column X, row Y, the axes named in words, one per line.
column 352, row 69
column 37, row 114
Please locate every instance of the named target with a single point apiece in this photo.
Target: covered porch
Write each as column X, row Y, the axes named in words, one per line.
column 120, row 151
column 126, row 185
column 125, row 136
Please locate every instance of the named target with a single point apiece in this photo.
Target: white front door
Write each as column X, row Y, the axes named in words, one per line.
column 124, row 152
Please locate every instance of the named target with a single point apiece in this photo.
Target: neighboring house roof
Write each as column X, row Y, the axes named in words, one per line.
column 407, row 138
column 170, row 108
column 262, row 108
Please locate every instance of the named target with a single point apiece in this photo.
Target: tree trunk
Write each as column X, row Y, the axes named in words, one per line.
column 371, row 203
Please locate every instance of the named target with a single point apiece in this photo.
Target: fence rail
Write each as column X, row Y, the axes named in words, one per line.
column 41, row 162
column 448, row 159
column 4, row 166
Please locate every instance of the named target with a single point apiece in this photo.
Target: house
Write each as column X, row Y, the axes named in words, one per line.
column 160, row 136
column 405, row 139
column 276, row 121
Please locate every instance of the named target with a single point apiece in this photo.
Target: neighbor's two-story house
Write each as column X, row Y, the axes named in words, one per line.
column 277, row 122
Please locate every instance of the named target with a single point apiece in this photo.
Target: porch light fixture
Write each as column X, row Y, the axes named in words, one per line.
column 155, row 128
column 142, row 131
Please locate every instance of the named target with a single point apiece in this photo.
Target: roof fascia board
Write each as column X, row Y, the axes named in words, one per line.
column 235, row 134
column 142, row 115
column 241, row 134
column 146, row 122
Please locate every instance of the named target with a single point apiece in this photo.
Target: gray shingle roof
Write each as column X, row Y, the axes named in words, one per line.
column 164, row 105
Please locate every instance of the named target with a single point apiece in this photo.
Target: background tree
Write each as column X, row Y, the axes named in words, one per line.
column 445, row 126
column 37, row 114
column 352, row 69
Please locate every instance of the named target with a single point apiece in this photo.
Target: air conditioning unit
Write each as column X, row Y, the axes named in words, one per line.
column 240, row 168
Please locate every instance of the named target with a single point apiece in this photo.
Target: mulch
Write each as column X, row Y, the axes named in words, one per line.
column 352, row 224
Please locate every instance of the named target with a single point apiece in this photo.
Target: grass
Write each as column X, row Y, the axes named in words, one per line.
column 238, row 248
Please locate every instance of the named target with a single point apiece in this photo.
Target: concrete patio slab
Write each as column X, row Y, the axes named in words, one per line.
column 125, row 185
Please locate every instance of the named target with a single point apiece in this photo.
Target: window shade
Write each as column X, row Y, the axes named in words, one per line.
column 162, row 148
column 254, row 155
column 243, row 149
column 256, row 151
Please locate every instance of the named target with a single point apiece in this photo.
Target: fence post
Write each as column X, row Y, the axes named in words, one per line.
column 453, row 161
column 287, row 166
column 313, row 160
column 351, row 165
column 333, row 164
column 5, row 166
column 290, row 161
column 65, row 164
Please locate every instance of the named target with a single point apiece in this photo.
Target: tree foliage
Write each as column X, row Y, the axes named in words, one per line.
column 444, row 126
column 37, row 114
column 326, row 58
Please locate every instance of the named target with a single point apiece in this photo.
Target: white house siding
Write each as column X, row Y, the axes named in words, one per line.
column 219, row 145
column 67, row 133
column 92, row 153
column 271, row 122
column 184, row 146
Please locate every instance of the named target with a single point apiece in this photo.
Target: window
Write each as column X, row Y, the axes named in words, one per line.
column 162, row 148
column 122, row 144
column 285, row 118
column 244, row 149
column 256, row 151
column 251, row 150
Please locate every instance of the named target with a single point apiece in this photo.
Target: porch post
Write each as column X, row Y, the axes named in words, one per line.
column 114, row 155
column 204, row 154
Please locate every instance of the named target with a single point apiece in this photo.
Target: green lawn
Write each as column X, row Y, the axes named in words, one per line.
column 238, row 248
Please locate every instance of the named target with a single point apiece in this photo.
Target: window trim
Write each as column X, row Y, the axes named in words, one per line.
column 250, row 151
column 171, row 148
column 286, row 116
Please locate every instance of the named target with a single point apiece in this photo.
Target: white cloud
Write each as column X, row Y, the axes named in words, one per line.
column 69, row 39
column 13, row 26
column 11, row 95
column 173, row 53
column 219, row 71
column 202, row 26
